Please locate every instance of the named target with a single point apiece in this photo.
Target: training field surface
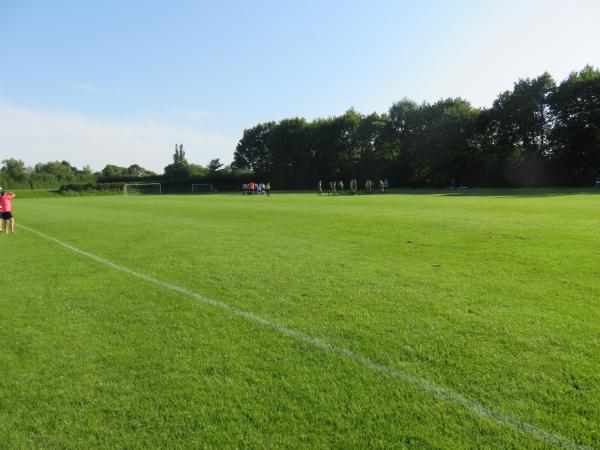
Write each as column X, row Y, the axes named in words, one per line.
column 411, row 319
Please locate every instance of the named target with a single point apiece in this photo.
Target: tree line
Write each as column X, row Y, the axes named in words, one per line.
column 538, row 133
column 54, row 174
column 14, row 174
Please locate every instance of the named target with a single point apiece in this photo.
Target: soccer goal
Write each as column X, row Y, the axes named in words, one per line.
column 142, row 188
column 202, row 188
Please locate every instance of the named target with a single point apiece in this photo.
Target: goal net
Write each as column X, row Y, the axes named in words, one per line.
column 201, row 188
column 142, row 188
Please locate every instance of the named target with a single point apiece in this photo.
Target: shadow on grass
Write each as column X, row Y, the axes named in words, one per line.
column 499, row 192
column 471, row 192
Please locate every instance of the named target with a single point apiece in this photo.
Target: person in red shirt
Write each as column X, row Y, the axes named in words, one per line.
column 6, row 206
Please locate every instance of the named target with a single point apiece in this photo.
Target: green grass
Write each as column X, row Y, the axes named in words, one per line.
column 493, row 295
column 35, row 193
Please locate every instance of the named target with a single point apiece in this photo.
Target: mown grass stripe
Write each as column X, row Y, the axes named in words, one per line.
column 447, row 395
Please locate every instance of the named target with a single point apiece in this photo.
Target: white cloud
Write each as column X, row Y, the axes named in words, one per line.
column 37, row 135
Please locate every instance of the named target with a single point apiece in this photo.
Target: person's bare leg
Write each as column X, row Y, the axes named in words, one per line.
column 12, row 225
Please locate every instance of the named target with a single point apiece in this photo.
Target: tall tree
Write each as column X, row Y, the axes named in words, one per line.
column 135, row 170
column 406, row 125
column 61, row 170
column 14, row 170
column 348, row 148
column 520, row 122
column 252, row 151
column 179, row 155
column 180, row 168
column 111, row 170
column 323, row 143
column 576, row 132
column 377, row 149
column 290, row 149
column 521, row 116
column 214, row 165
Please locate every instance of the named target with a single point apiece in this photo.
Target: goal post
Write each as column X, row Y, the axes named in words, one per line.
column 199, row 188
column 142, row 188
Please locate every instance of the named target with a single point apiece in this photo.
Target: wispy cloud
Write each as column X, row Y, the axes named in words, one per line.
column 39, row 135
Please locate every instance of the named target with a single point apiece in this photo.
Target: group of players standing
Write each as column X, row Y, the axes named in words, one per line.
column 253, row 188
column 337, row 187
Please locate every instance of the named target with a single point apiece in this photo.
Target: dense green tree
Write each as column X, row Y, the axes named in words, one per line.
column 576, row 132
column 14, row 169
column 290, row 149
column 252, row 151
column 521, row 117
column 214, row 166
column 111, row 170
column 179, row 155
column 347, row 146
column 197, row 170
column 451, row 149
column 323, row 145
column 135, row 170
column 406, row 124
column 520, row 123
column 377, row 147
column 62, row 170
column 180, row 168
column 51, row 174
column 14, row 173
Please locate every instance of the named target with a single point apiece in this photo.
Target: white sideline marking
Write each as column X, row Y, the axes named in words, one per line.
column 447, row 395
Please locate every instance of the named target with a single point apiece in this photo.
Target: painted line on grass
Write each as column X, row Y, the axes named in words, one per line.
column 447, row 395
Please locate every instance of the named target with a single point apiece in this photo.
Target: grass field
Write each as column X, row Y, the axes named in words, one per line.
column 412, row 319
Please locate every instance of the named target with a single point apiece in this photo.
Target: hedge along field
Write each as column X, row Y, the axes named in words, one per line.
column 487, row 295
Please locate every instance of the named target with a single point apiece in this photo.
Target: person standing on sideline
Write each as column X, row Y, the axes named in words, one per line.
column 319, row 187
column 268, row 188
column 6, row 206
column 341, row 186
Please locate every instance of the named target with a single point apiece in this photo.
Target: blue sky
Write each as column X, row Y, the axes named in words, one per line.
column 98, row 82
